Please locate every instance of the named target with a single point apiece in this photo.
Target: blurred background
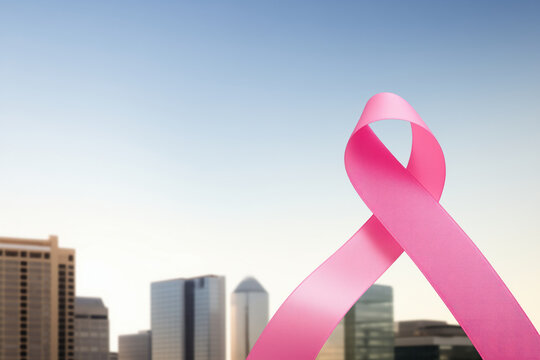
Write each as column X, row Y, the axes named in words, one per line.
column 173, row 139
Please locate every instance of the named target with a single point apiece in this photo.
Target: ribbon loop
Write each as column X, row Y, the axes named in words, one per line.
column 407, row 216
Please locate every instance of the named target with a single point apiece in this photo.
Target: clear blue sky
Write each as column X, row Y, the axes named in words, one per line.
column 166, row 139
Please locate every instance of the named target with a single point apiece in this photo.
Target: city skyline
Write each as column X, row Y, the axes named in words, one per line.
column 179, row 138
column 188, row 317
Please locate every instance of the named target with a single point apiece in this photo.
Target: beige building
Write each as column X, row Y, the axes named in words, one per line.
column 135, row 346
column 37, row 293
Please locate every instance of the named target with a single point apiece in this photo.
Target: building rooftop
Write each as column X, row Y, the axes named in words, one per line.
column 428, row 328
column 90, row 306
column 249, row 284
column 28, row 244
column 184, row 279
column 432, row 340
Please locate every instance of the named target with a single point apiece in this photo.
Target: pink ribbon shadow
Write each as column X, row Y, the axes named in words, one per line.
column 406, row 217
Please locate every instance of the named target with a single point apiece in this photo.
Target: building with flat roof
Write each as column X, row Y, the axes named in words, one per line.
column 91, row 329
column 37, row 299
column 249, row 316
column 432, row 340
column 135, row 346
column 188, row 318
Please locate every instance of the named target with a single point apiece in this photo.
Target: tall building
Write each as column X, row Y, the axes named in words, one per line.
column 37, row 294
column 369, row 326
column 135, row 346
column 433, row 340
column 188, row 319
column 366, row 332
column 91, row 329
column 249, row 315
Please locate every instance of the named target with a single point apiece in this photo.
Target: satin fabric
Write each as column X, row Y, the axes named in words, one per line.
column 406, row 217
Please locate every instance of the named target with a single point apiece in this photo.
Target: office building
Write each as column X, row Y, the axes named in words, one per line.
column 432, row 340
column 188, row 319
column 249, row 316
column 135, row 346
column 37, row 294
column 91, row 329
column 366, row 331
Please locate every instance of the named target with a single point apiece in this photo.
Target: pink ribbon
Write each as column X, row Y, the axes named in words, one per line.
column 407, row 217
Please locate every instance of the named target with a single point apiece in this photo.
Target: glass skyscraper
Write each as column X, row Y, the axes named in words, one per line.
column 369, row 326
column 188, row 319
column 249, row 315
column 366, row 332
column 168, row 320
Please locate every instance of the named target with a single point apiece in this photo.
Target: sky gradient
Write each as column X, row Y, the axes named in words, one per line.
column 177, row 138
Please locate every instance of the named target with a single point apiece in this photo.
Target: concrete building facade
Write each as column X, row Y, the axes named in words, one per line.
column 135, row 346
column 91, row 329
column 37, row 295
